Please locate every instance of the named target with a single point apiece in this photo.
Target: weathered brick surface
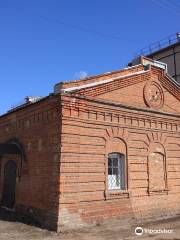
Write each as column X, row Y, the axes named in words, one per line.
column 37, row 184
column 67, row 138
column 90, row 130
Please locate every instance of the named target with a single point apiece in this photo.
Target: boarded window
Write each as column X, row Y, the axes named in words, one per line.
column 116, row 171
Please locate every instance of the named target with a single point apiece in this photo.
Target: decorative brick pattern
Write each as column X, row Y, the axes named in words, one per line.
column 91, row 127
column 67, row 138
column 36, row 185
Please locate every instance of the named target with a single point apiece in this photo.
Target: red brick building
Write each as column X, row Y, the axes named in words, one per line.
column 100, row 148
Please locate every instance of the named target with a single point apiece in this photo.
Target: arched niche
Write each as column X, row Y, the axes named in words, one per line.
column 157, row 174
column 156, row 147
column 14, row 148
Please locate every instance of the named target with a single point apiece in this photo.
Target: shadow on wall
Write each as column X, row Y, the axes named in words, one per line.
column 38, row 177
column 12, row 216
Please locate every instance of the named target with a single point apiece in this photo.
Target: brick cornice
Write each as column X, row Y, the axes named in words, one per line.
column 99, row 104
column 119, row 117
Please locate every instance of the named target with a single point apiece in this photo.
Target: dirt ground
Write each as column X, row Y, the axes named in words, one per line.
column 12, row 229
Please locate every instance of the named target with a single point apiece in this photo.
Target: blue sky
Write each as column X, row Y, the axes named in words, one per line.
column 43, row 42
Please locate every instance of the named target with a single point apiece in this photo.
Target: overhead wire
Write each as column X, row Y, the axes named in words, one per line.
column 84, row 29
column 174, row 3
column 79, row 28
column 166, row 5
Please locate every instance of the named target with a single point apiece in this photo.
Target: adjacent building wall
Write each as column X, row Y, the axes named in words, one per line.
column 170, row 56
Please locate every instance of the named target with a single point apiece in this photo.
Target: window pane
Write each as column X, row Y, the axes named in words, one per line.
column 116, row 171
column 115, row 162
column 109, row 171
column 113, row 182
column 122, row 173
column 117, row 181
column 109, row 162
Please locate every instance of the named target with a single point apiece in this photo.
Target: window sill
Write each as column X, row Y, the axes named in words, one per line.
column 158, row 191
column 113, row 194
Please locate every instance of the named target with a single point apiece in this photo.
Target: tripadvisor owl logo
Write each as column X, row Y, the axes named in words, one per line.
column 139, row 231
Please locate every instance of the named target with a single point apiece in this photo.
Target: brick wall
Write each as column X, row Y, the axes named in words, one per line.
column 88, row 130
column 67, row 138
column 36, row 128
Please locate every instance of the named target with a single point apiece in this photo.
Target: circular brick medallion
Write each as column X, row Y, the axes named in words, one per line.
column 153, row 95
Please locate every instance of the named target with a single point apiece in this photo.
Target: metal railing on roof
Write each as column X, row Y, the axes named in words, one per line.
column 156, row 46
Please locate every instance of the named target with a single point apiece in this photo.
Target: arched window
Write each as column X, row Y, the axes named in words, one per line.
column 116, row 171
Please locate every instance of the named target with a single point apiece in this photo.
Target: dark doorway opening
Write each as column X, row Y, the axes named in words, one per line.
column 9, row 187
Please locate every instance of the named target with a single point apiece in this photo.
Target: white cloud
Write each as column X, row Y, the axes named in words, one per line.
column 81, row 74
